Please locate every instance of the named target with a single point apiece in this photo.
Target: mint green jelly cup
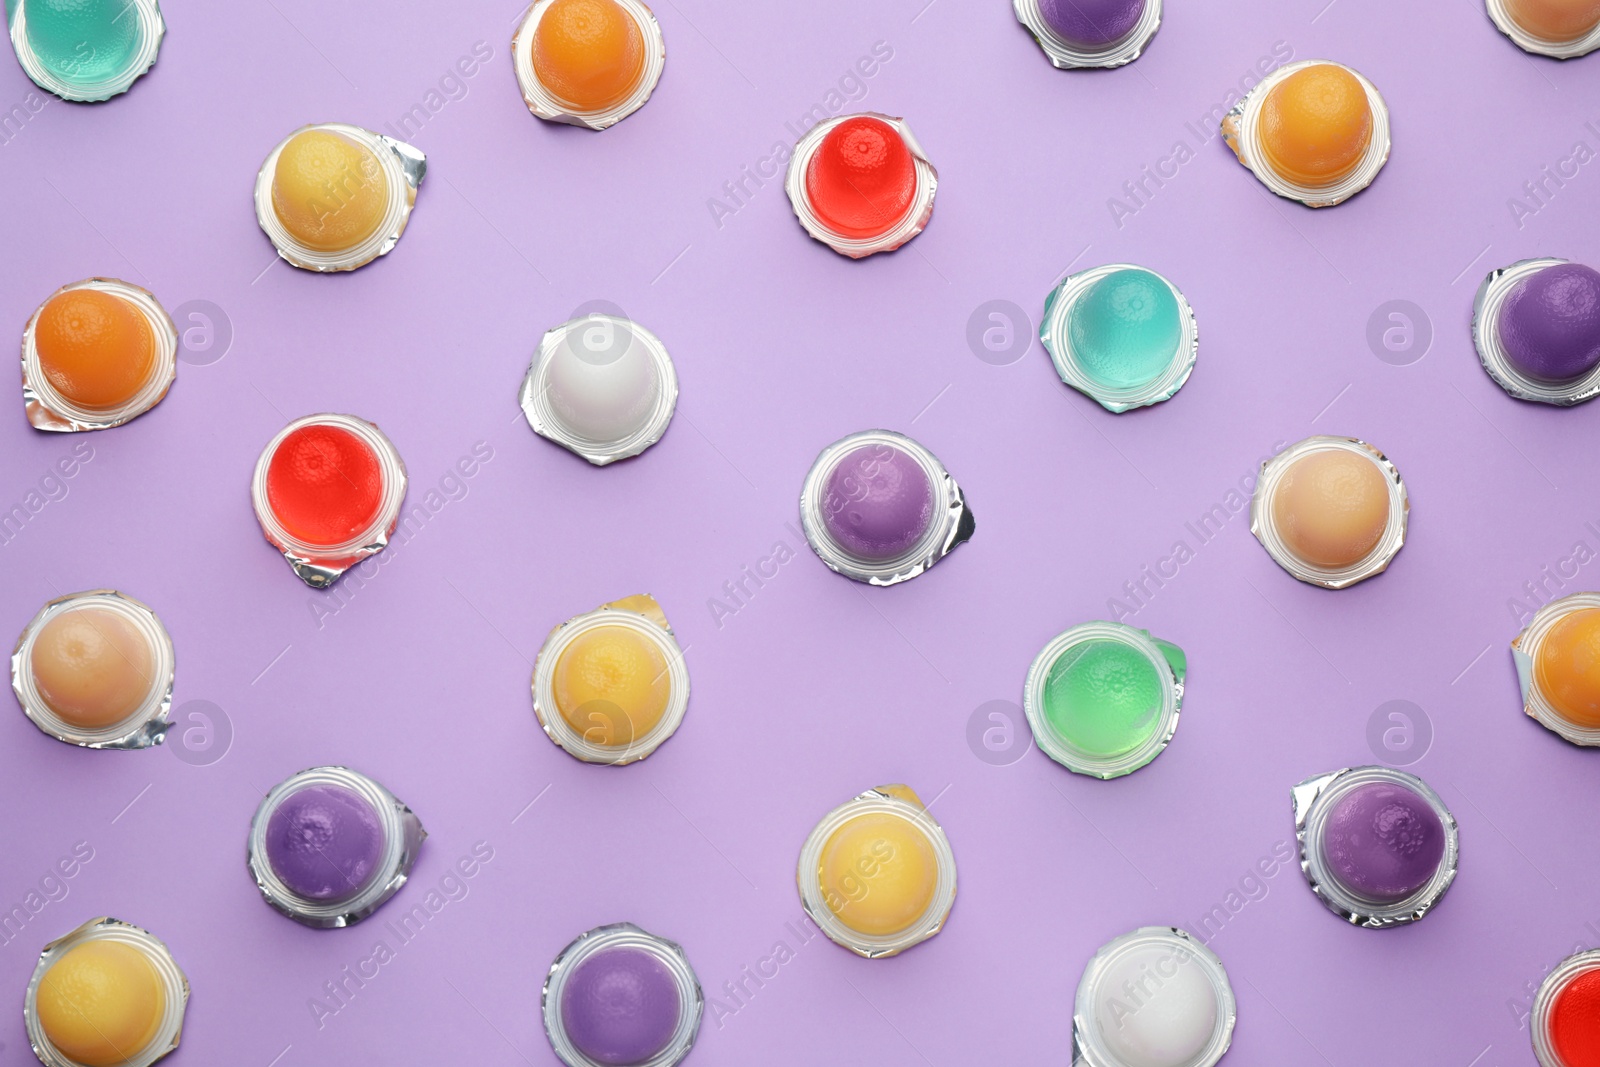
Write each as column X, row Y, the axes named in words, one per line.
column 1122, row 335
column 1103, row 698
column 86, row 50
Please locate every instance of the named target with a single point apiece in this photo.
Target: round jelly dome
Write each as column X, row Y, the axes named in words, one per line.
column 329, row 191
column 877, row 502
column 1549, row 324
column 95, row 348
column 611, row 684
column 101, row 1003
column 93, row 666
column 862, row 179
column 1092, row 25
column 1156, row 1007
column 602, row 382
column 621, row 1006
column 1316, row 125
column 1125, row 328
column 588, row 54
column 83, row 40
column 1383, row 842
column 1103, row 697
column 325, row 843
column 1574, row 1020
column 879, row 873
column 1331, row 507
column 1567, row 667
column 1555, row 20
column 324, row 485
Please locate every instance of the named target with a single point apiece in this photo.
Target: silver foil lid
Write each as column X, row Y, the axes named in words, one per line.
column 1263, row 523
column 609, row 735
column 149, row 722
column 1056, row 335
column 175, row 986
column 1582, row 45
column 902, row 802
column 916, row 217
column 152, row 28
column 546, row 105
column 1313, row 801
column 319, row 566
column 691, row 1000
column 951, row 523
column 1525, row 653
column 1064, row 55
column 48, row 409
column 599, row 341
column 1241, row 129
column 1486, row 308
column 402, row 835
column 403, row 168
column 1174, row 952
column 1166, row 659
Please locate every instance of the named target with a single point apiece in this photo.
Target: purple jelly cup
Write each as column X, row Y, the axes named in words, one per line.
column 880, row 508
column 1377, row 845
column 328, row 846
column 1090, row 33
column 618, row 996
column 1536, row 326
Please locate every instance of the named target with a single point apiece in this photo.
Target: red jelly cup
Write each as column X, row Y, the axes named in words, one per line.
column 861, row 184
column 1566, row 1012
column 327, row 491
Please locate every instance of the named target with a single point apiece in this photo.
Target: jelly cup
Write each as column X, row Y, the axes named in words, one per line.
column 1562, row 1022
column 1551, row 310
column 1103, row 698
column 619, row 995
column 319, row 559
column 88, row 50
column 625, row 688
column 401, row 169
column 48, row 408
column 364, row 842
column 602, row 387
column 1090, row 33
column 1122, row 335
column 1242, row 128
column 1560, row 29
column 1332, row 511
column 109, row 954
column 96, row 719
column 883, row 840
column 1161, row 968
column 880, row 508
column 1377, row 845
column 882, row 228
column 547, row 104
column 1557, row 656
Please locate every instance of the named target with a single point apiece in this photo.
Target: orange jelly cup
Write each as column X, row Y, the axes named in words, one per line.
column 1316, row 125
column 589, row 54
column 1555, row 20
column 95, row 348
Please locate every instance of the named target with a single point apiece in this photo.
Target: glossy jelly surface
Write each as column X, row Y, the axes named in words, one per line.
column 1316, row 125
column 83, row 40
column 1567, row 667
column 611, row 684
column 324, row 485
column 329, row 191
column 879, row 873
column 862, row 179
column 1331, row 507
column 101, row 1003
column 1103, row 697
column 1125, row 328
column 590, row 54
column 93, row 666
column 95, row 348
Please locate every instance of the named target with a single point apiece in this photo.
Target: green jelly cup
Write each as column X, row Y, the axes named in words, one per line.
column 86, row 52
column 1120, row 357
column 1103, row 698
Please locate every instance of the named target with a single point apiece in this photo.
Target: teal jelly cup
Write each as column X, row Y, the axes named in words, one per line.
column 1103, row 698
column 86, row 50
column 1122, row 335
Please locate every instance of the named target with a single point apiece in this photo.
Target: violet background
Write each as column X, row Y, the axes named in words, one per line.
column 817, row 688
